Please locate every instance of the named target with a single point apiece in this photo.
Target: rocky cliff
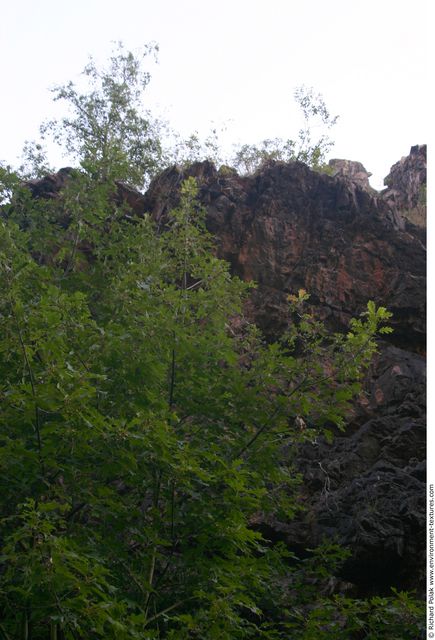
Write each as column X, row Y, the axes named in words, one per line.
column 405, row 191
column 406, row 185
column 288, row 227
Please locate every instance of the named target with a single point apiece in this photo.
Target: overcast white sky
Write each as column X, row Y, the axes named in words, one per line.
column 234, row 62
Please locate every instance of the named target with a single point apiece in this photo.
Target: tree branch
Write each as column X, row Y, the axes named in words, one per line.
column 33, row 387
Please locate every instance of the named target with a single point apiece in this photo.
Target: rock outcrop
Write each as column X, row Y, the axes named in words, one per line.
column 50, row 185
column 352, row 171
column 406, row 186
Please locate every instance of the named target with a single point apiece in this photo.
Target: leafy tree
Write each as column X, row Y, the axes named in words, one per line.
column 247, row 158
column 195, row 148
column 110, row 133
column 35, row 163
column 107, row 129
column 142, row 433
column 304, row 148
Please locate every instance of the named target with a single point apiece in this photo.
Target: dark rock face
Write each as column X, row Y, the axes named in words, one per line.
column 50, row 185
column 132, row 199
column 406, row 186
column 367, row 488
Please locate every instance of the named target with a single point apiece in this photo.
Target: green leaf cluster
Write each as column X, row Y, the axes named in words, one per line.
column 306, row 147
column 106, row 127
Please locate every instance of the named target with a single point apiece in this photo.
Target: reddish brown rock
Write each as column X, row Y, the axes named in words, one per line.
column 406, row 186
column 289, row 227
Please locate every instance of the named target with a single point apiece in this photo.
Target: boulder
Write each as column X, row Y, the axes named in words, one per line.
column 50, row 185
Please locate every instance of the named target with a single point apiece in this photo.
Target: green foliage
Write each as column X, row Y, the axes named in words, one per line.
column 310, row 613
column 249, row 157
column 141, row 432
column 195, row 148
column 35, row 162
column 107, row 129
column 142, row 421
column 399, row 616
column 113, row 137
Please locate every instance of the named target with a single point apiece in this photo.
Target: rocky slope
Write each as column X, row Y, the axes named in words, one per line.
column 286, row 228
column 367, row 488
